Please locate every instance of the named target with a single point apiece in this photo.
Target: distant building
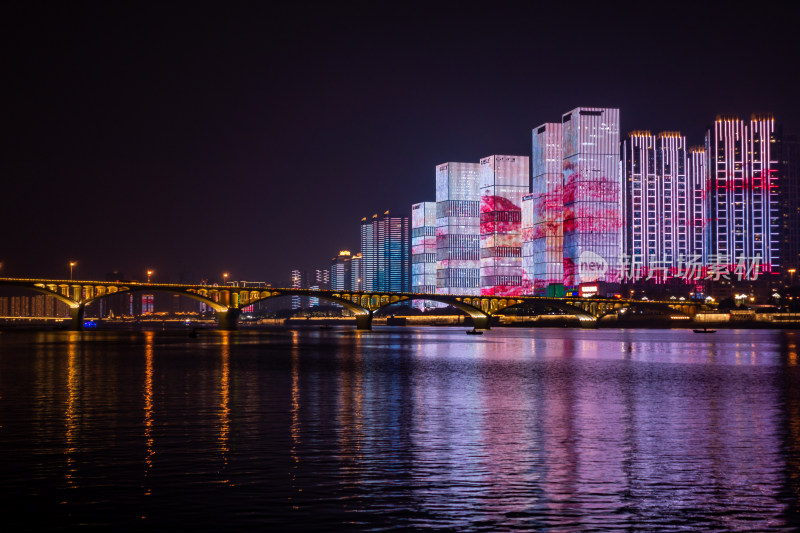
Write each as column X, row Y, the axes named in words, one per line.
column 356, row 283
column 322, row 281
column 790, row 208
column 340, row 272
column 298, row 281
column 458, row 228
column 385, row 250
column 369, row 251
column 503, row 183
column 592, row 195
column 147, row 303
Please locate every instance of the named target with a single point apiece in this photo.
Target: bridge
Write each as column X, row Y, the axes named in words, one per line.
column 227, row 301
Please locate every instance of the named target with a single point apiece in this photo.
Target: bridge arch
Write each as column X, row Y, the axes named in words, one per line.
column 480, row 319
column 569, row 308
column 363, row 314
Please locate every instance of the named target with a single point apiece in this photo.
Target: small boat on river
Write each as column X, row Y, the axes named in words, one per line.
column 705, row 330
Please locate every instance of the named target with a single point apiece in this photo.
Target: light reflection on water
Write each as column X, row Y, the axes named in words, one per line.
column 561, row 429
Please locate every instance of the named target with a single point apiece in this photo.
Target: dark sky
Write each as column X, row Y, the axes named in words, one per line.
column 241, row 138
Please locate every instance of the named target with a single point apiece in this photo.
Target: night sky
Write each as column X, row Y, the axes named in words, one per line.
column 252, row 139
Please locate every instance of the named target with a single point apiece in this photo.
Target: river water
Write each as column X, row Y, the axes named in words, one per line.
column 401, row 429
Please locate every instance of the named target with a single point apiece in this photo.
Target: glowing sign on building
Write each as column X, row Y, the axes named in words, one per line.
column 503, row 183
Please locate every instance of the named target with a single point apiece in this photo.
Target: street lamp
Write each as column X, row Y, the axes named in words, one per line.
column 71, row 266
column 791, row 276
column 149, row 273
column 224, row 277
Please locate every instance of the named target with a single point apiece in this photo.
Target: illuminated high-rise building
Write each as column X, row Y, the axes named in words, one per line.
column 423, row 247
column 592, row 195
column 322, row 281
column 298, row 282
column 369, row 258
column 543, row 211
column 340, row 272
column 355, row 273
column 458, row 228
column 385, row 250
column 698, row 189
column 790, row 208
column 657, row 206
column 743, row 204
column 503, row 183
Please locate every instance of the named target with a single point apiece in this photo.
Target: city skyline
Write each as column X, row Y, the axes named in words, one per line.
column 198, row 142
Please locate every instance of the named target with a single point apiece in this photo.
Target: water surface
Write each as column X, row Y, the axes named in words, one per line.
column 401, row 428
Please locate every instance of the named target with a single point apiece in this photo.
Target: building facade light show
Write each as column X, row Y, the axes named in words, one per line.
column 592, row 195
column 743, row 203
column 385, row 249
column 423, row 247
column 543, row 211
column 458, row 228
column 658, row 235
column 503, row 183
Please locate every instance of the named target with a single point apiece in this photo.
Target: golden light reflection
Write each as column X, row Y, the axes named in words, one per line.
column 294, row 429
column 350, row 416
column 148, row 404
column 224, row 403
column 70, row 415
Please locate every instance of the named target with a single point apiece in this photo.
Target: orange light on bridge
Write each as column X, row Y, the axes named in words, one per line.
column 149, row 273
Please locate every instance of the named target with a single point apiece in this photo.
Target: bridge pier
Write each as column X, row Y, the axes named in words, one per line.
column 226, row 319
column 77, row 314
column 480, row 322
column 364, row 322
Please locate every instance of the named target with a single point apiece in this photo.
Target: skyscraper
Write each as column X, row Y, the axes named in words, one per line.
column 743, row 205
column 458, row 228
column 503, row 183
column 698, row 187
column 543, row 211
column 657, row 206
column 355, row 273
column 298, row 279
column 790, row 207
column 592, row 195
column 340, row 272
column 369, row 258
column 423, row 247
column 385, row 249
